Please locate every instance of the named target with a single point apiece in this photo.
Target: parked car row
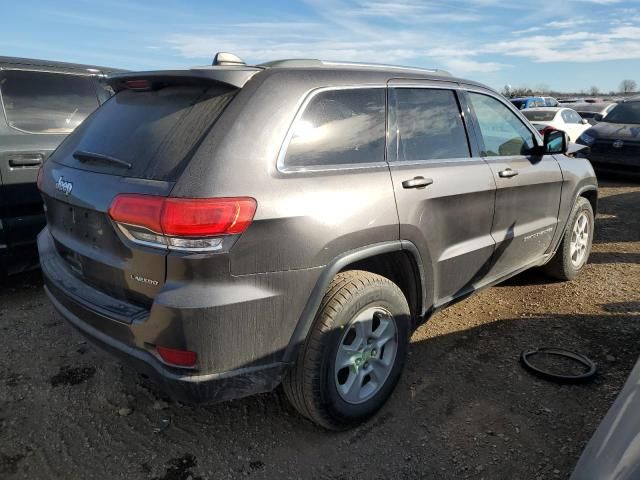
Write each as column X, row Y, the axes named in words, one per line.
column 523, row 103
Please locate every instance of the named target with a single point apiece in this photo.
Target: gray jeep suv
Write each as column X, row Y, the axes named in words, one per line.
column 229, row 228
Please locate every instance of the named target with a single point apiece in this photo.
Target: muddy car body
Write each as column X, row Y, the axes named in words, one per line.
column 294, row 221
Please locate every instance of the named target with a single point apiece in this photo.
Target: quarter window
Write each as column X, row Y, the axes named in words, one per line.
column 339, row 127
column 427, row 125
column 503, row 133
column 43, row 102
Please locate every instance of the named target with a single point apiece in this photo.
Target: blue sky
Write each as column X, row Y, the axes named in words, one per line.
column 564, row 44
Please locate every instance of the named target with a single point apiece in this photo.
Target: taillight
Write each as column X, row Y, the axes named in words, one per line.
column 178, row 358
column 140, row 85
column 190, row 224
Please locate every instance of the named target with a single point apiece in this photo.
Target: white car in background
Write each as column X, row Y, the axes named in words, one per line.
column 560, row 118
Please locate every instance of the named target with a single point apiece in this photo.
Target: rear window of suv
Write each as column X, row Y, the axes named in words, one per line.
column 44, row 102
column 154, row 131
column 338, row 128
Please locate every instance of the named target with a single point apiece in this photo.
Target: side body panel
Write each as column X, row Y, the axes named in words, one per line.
column 527, row 202
column 449, row 220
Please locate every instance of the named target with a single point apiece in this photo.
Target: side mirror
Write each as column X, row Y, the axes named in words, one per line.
column 584, row 121
column 555, row 142
column 598, row 117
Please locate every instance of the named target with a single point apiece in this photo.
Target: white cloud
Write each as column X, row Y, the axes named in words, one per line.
column 431, row 34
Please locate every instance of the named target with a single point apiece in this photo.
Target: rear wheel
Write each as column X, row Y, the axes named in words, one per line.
column 573, row 253
column 355, row 352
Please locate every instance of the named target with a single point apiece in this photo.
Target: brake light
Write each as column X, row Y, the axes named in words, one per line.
column 179, row 358
column 182, row 223
column 138, row 84
column 207, row 217
column 139, row 210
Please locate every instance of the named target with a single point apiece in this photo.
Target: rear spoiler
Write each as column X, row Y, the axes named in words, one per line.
column 231, row 77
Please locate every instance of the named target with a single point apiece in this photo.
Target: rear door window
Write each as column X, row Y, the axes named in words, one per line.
column 338, row 128
column 427, row 125
column 43, row 102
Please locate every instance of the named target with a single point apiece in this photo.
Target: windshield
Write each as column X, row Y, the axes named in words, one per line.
column 536, row 116
column 624, row 113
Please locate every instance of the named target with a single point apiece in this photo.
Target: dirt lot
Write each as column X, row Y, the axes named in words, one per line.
column 463, row 409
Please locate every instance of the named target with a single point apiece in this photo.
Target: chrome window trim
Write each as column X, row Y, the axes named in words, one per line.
column 302, row 106
column 21, row 130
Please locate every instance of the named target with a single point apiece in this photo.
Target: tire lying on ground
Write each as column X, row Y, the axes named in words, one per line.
column 354, row 354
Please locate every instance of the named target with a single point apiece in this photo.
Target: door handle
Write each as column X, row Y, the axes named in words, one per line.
column 417, row 182
column 20, row 161
column 507, row 173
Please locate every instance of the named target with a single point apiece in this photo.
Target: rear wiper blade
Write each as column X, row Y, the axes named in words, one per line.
column 83, row 156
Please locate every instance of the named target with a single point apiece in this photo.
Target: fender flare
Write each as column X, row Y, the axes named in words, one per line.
column 312, row 306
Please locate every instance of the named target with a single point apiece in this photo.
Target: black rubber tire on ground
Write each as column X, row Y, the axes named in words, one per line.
column 310, row 385
column 560, row 266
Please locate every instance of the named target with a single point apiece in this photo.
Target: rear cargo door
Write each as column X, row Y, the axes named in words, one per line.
column 137, row 142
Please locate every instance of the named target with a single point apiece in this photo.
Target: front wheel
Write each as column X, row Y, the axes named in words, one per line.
column 573, row 253
column 355, row 352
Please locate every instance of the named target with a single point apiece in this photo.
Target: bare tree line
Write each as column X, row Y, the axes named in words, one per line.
column 627, row 87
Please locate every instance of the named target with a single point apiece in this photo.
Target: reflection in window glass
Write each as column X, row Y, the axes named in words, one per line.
column 42, row 102
column 339, row 127
column 428, row 124
column 503, row 133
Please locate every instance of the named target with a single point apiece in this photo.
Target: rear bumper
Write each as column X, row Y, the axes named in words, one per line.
column 193, row 389
column 130, row 332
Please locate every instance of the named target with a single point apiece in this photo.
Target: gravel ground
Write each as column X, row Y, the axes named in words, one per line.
column 463, row 409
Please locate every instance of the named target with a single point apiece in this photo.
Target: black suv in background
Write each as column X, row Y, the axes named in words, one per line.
column 615, row 140
column 227, row 228
column 42, row 102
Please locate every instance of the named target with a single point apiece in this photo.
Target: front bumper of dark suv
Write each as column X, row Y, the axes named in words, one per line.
column 129, row 332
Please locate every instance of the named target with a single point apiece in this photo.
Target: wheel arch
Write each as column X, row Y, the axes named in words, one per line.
column 399, row 261
column 591, row 194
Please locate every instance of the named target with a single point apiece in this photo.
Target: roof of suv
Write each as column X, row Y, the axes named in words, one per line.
column 58, row 66
column 238, row 74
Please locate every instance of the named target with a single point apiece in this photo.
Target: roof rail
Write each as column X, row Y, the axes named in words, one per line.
column 311, row 63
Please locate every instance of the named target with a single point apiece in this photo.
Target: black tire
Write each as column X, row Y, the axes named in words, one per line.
column 561, row 266
column 310, row 384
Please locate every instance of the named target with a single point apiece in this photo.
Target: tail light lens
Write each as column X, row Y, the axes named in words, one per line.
column 189, row 224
